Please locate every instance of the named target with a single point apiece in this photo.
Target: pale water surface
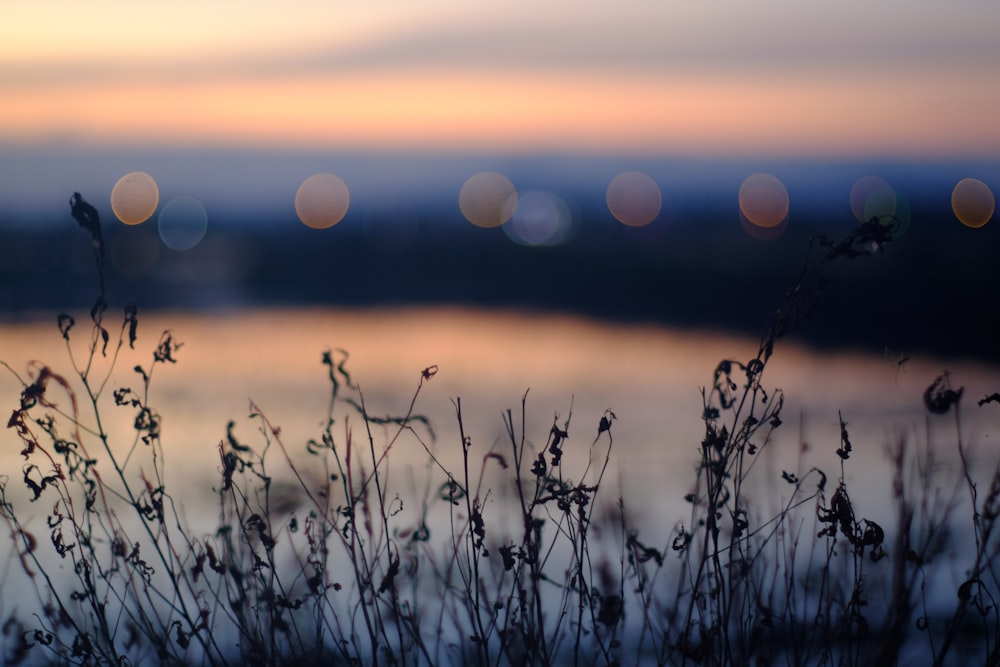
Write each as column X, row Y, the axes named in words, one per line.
column 650, row 377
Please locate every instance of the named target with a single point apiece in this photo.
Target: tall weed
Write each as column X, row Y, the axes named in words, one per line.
column 516, row 556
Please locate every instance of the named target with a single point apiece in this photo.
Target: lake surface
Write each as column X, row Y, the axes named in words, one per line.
column 650, row 377
column 565, row 368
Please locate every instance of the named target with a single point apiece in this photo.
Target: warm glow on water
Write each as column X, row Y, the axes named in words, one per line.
column 650, row 377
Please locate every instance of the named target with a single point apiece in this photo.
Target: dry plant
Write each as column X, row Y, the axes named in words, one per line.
column 515, row 557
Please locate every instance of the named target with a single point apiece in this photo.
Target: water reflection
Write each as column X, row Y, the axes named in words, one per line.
column 571, row 371
column 649, row 376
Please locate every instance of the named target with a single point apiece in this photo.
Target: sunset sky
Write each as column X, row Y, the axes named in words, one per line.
column 851, row 79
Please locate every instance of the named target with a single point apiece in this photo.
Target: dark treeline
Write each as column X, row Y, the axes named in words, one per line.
column 934, row 290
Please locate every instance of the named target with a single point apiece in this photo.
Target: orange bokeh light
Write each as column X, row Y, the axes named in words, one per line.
column 764, row 200
column 488, row 199
column 634, row 198
column 322, row 201
column 973, row 202
column 134, row 198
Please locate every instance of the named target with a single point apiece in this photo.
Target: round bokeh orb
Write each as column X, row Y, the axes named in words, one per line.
column 134, row 198
column 868, row 191
column 542, row 219
column 880, row 205
column 182, row 223
column 900, row 220
column 874, row 200
column 763, row 200
column 634, row 199
column 322, row 201
column 487, row 199
column 973, row 202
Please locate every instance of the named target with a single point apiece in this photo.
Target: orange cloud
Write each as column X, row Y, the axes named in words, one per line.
column 503, row 110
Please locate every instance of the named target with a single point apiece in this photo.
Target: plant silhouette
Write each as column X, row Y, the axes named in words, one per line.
column 516, row 555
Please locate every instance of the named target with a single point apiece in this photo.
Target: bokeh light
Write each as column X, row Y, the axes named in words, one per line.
column 900, row 220
column 763, row 200
column 880, row 205
column 634, row 198
column 541, row 219
column 874, row 199
column 135, row 197
column 871, row 192
column 488, row 199
column 182, row 223
column 973, row 202
column 322, row 201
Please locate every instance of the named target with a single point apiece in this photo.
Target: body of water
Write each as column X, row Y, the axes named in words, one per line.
column 568, row 371
column 569, row 368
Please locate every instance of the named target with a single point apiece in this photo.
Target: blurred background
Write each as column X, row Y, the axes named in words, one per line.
column 594, row 201
column 648, row 162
